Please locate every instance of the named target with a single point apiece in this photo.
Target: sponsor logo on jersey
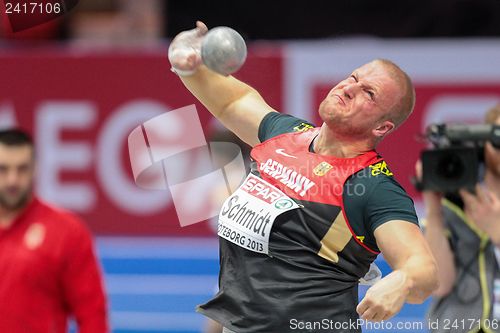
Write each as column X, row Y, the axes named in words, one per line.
column 281, row 151
column 260, row 190
column 284, row 203
column 303, row 127
column 322, row 168
column 380, row 167
column 292, row 179
column 361, row 238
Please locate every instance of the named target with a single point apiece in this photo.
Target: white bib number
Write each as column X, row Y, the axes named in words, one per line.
column 247, row 216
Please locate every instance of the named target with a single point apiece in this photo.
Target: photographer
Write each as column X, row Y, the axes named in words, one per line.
column 464, row 236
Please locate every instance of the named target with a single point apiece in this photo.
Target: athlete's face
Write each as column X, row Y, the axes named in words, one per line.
column 16, row 175
column 357, row 105
column 492, row 156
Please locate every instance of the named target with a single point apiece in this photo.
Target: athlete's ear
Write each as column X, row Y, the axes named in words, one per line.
column 383, row 129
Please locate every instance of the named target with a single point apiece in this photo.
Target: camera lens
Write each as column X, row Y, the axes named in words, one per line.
column 451, row 167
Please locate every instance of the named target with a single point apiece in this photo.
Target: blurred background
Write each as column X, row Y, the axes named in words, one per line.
column 81, row 82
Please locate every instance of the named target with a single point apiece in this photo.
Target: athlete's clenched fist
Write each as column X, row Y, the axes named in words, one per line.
column 385, row 298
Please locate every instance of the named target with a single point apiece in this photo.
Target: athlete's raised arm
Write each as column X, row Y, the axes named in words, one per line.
column 237, row 105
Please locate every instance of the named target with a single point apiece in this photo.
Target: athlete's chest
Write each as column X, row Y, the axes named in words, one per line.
column 286, row 163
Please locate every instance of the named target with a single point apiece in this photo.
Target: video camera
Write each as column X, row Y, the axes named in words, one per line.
column 458, row 152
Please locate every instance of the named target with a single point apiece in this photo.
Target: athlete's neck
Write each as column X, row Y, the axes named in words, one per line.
column 492, row 182
column 327, row 143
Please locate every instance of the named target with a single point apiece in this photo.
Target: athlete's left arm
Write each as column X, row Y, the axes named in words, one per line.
column 414, row 275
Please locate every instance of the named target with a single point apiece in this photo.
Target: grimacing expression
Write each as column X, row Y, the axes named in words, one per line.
column 492, row 156
column 360, row 103
column 16, row 175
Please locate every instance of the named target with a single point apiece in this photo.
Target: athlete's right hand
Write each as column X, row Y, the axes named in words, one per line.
column 184, row 52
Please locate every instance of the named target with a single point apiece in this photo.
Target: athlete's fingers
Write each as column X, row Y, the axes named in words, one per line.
column 184, row 51
column 201, row 28
column 387, row 316
column 379, row 316
column 362, row 307
column 369, row 314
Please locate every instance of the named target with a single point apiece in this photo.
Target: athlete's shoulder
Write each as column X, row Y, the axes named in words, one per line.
column 380, row 171
column 376, row 197
column 376, row 181
column 375, row 173
column 275, row 123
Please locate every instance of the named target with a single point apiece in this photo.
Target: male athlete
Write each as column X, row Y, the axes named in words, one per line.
column 317, row 208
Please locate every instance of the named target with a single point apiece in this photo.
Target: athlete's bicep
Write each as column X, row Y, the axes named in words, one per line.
column 399, row 240
column 244, row 116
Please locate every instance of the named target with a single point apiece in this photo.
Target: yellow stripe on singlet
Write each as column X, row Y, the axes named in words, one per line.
column 335, row 239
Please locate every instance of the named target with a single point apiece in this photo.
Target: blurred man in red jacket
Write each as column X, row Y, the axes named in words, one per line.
column 48, row 268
